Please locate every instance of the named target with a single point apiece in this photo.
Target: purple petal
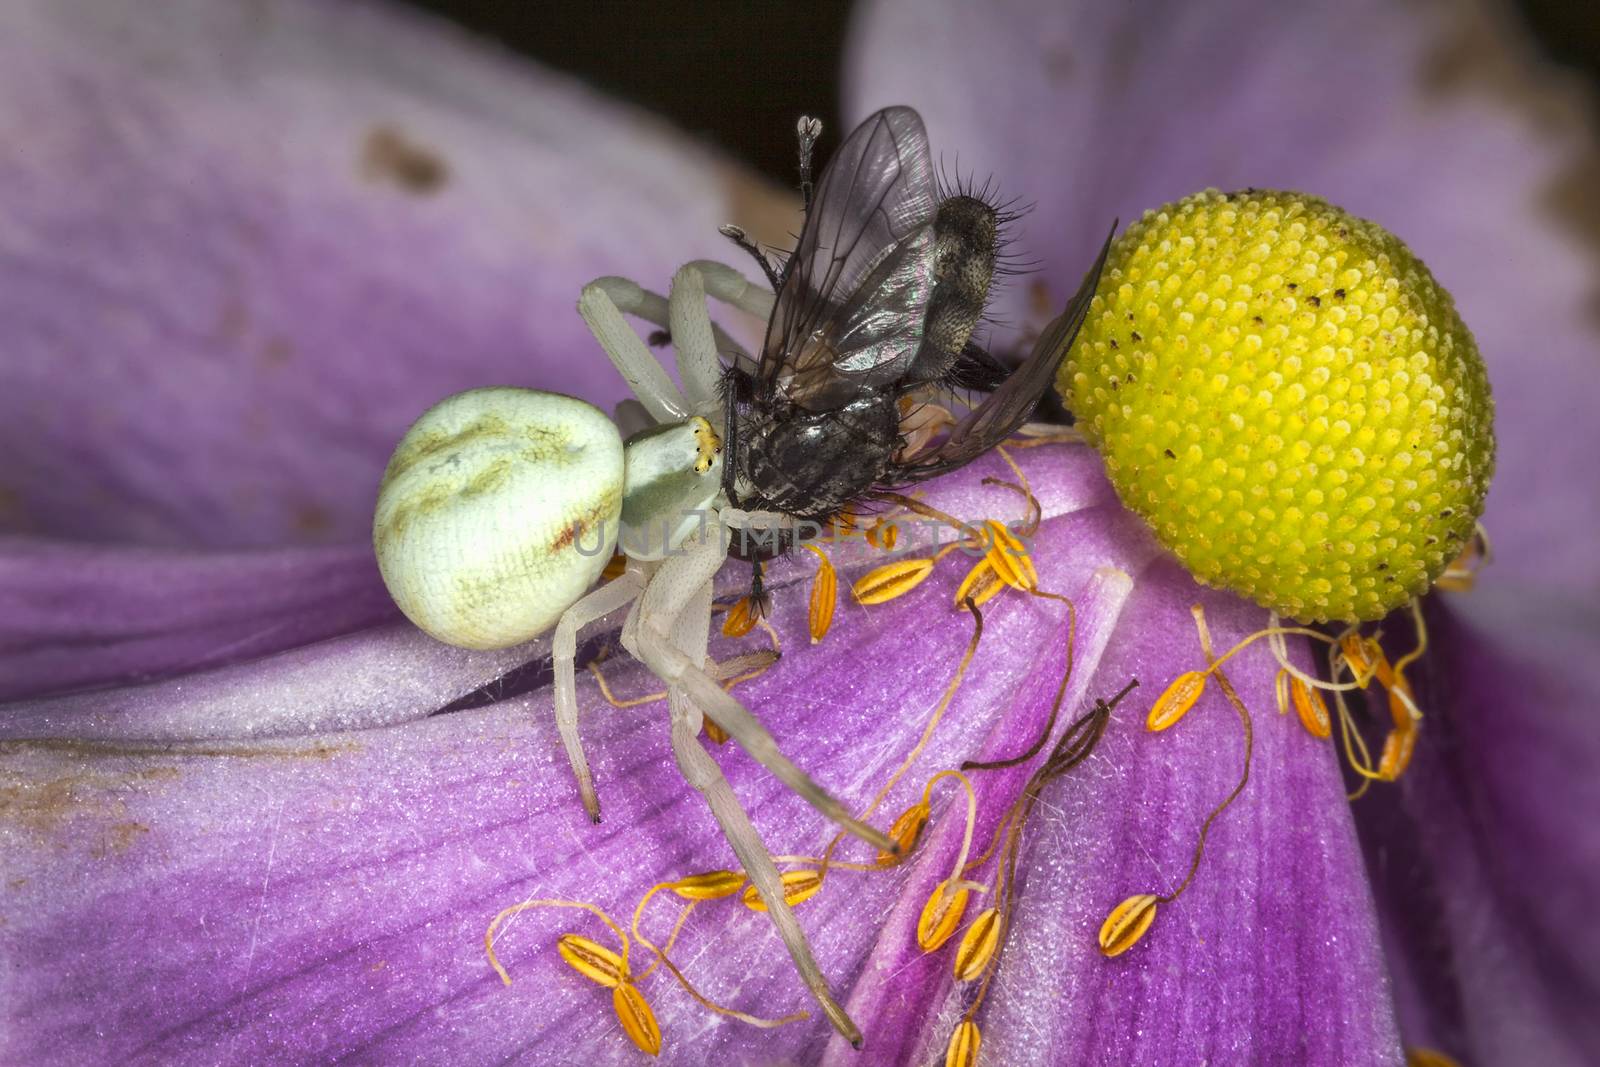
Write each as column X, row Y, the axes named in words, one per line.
column 74, row 616
column 1271, row 956
column 311, row 897
column 1487, row 861
column 244, row 246
column 1431, row 119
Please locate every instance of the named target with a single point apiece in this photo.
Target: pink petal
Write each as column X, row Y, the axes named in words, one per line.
column 244, row 246
column 326, row 894
column 75, row 616
column 1486, row 861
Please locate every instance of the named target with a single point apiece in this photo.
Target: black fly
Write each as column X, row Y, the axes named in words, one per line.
column 874, row 315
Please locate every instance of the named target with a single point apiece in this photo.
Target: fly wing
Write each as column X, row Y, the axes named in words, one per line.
column 854, row 298
column 1008, row 407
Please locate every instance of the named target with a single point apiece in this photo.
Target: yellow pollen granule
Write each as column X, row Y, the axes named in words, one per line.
column 1288, row 398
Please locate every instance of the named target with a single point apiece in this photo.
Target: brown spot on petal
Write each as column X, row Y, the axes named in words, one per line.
column 233, row 319
column 91, row 803
column 277, row 352
column 311, row 520
column 390, row 156
column 13, row 516
column 118, row 838
column 1058, row 62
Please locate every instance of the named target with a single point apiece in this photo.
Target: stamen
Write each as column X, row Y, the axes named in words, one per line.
column 798, row 886
column 744, row 667
column 712, row 885
column 969, row 532
column 1429, row 1057
column 843, row 523
column 1055, row 706
column 1312, row 709
column 1175, row 703
column 1422, row 639
column 1009, row 557
column 1398, row 748
column 1075, row 746
column 891, row 580
column 1280, row 651
column 963, row 1048
column 1365, row 659
column 1462, row 574
column 1128, row 920
column 1127, row 923
column 696, row 889
column 941, row 915
column 978, row 945
column 927, row 735
column 883, row 534
column 1035, row 509
column 741, row 618
column 1038, row 433
column 824, row 595
column 981, row 583
column 906, row 832
column 592, row 960
column 637, row 1020
column 515, row 909
column 1362, row 654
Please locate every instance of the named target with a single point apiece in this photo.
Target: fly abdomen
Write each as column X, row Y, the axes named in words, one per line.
column 966, row 234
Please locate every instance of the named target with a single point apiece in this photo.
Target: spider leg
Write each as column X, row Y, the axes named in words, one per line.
column 564, row 649
column 689, row 322
column 639, row 368
column 690, row 631
column 703, row 773
column 720, row 282
column 734, row 289
column 664, row 598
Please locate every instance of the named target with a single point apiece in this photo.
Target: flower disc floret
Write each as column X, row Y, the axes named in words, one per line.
column 1288, row 398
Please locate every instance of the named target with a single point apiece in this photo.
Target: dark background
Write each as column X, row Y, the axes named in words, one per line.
column 757, row 66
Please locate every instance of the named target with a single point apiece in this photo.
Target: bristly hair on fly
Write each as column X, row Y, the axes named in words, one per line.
column 950, row 182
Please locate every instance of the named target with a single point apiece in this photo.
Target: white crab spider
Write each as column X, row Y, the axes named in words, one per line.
column 501, row 506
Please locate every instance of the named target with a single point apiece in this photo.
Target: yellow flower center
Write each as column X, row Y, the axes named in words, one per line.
column 1288, row 398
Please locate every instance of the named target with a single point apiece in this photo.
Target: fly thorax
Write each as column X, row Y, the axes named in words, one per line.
column 811, row 464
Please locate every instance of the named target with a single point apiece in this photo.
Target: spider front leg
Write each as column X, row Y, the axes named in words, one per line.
column 664, row 598
column 689, row 632
column 702, row 772
column 697, row 340
column 637, row 364
column 564, row 650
